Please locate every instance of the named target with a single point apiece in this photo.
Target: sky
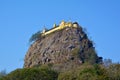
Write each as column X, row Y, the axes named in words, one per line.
column 19, row 19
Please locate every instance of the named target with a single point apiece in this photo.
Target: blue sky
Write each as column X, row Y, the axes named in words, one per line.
column 19, row 19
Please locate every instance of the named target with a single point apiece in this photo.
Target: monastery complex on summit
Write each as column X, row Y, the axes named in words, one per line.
column 62, row 25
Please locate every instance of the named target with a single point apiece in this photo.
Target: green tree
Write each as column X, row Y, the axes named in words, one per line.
column 107, row 62
column 35, row 36
column 3, row 73
column 113, row 71
column 85, row 72
column 32, row 74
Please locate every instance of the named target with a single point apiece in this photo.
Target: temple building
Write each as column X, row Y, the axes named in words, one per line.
column 62, row 25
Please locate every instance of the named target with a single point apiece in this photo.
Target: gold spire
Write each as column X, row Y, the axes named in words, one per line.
column 54, row 26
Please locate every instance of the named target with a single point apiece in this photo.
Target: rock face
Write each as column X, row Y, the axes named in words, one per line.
column 67, row 45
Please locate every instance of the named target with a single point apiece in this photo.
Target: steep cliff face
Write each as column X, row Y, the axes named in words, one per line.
column 69, row 45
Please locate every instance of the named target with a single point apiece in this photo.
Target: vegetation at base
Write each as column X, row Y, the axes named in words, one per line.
column 92, row 72
column 3, row 73
column 84, row 72
column 32, row 74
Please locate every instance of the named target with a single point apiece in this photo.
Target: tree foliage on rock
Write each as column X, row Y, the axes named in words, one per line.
column 35, row 36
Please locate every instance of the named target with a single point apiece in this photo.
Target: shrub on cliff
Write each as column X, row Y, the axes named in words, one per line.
column 35, row 36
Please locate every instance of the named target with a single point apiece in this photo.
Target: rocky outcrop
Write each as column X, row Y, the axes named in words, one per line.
column 64, row 46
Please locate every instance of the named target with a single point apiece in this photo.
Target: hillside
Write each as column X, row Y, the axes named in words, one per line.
column 67, row 46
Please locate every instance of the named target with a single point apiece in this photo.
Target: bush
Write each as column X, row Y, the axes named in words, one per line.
column 85, row 72
column 82, row 72
column 35, row 36
column 113, row 71
column 2, row 74
column 89, row 56
column 32, row 74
